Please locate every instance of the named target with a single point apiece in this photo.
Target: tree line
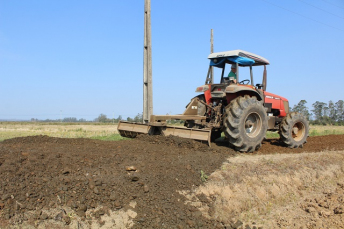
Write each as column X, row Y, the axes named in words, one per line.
column 101, row 118
column 322, row 113
column 68, row 119
column 138, row 118
column 330, row 113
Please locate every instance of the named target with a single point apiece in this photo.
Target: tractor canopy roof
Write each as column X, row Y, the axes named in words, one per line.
column 243, row 58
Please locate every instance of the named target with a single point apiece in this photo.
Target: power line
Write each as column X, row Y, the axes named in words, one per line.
column 333, row 4
column 304, row 16
column 322, row 9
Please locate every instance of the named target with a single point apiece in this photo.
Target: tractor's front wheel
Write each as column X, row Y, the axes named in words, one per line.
column 294, row 130
column 245, row 123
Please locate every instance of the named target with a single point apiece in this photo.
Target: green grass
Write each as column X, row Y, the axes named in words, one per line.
column 325, row 132
column 270, row 134
column 113, row 137
column 315, row 130
column 204, row 177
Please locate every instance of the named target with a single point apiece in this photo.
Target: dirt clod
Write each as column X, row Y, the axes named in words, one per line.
column 237, row 224
column 67, row 220
column 130, row 168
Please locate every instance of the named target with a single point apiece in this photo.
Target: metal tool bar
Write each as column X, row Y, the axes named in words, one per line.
column 155, row 118
column 196, row 134
column 130, row 130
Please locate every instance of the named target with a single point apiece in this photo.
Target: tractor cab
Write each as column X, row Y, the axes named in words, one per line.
column 229, row 88
column 236, row 59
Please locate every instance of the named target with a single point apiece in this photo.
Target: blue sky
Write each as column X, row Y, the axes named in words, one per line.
column 83, row 58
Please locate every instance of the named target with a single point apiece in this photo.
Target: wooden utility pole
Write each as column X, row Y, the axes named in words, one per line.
column 211, row 51
column 147, row 65
column 210, row 74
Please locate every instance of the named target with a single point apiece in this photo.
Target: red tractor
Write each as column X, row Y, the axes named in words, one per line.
column 238, row 108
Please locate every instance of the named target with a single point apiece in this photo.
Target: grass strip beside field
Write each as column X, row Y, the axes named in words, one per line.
column 315, row 131
column 61, row 130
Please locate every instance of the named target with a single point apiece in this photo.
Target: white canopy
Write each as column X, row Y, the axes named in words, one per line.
column 258, row 59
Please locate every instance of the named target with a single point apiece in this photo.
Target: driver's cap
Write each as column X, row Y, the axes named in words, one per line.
column 233, row 66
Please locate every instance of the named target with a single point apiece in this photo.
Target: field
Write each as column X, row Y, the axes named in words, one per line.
column 104, row 131
column 64, row 179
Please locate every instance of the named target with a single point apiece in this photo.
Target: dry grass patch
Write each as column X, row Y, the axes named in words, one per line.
column 270, row 190
column 62, row 130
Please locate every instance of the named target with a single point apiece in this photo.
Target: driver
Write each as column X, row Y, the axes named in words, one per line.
column 232, row 74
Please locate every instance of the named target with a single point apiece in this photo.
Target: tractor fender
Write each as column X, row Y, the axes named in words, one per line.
column 232, row 91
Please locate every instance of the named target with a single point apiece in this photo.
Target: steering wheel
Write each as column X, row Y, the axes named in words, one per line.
column 243, row 82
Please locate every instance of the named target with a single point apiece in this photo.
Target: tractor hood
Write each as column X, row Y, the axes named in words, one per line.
column 273, row 96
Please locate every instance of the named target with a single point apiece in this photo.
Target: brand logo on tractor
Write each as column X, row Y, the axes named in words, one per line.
column 271, row 97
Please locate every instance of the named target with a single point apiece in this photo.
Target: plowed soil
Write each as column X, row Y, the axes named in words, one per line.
column 40, row 173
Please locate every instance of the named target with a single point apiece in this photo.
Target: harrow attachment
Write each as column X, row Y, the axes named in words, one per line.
column 158, row 126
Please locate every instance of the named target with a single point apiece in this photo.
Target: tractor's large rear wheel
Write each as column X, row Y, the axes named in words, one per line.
column 245, row 123
column 294, row 130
